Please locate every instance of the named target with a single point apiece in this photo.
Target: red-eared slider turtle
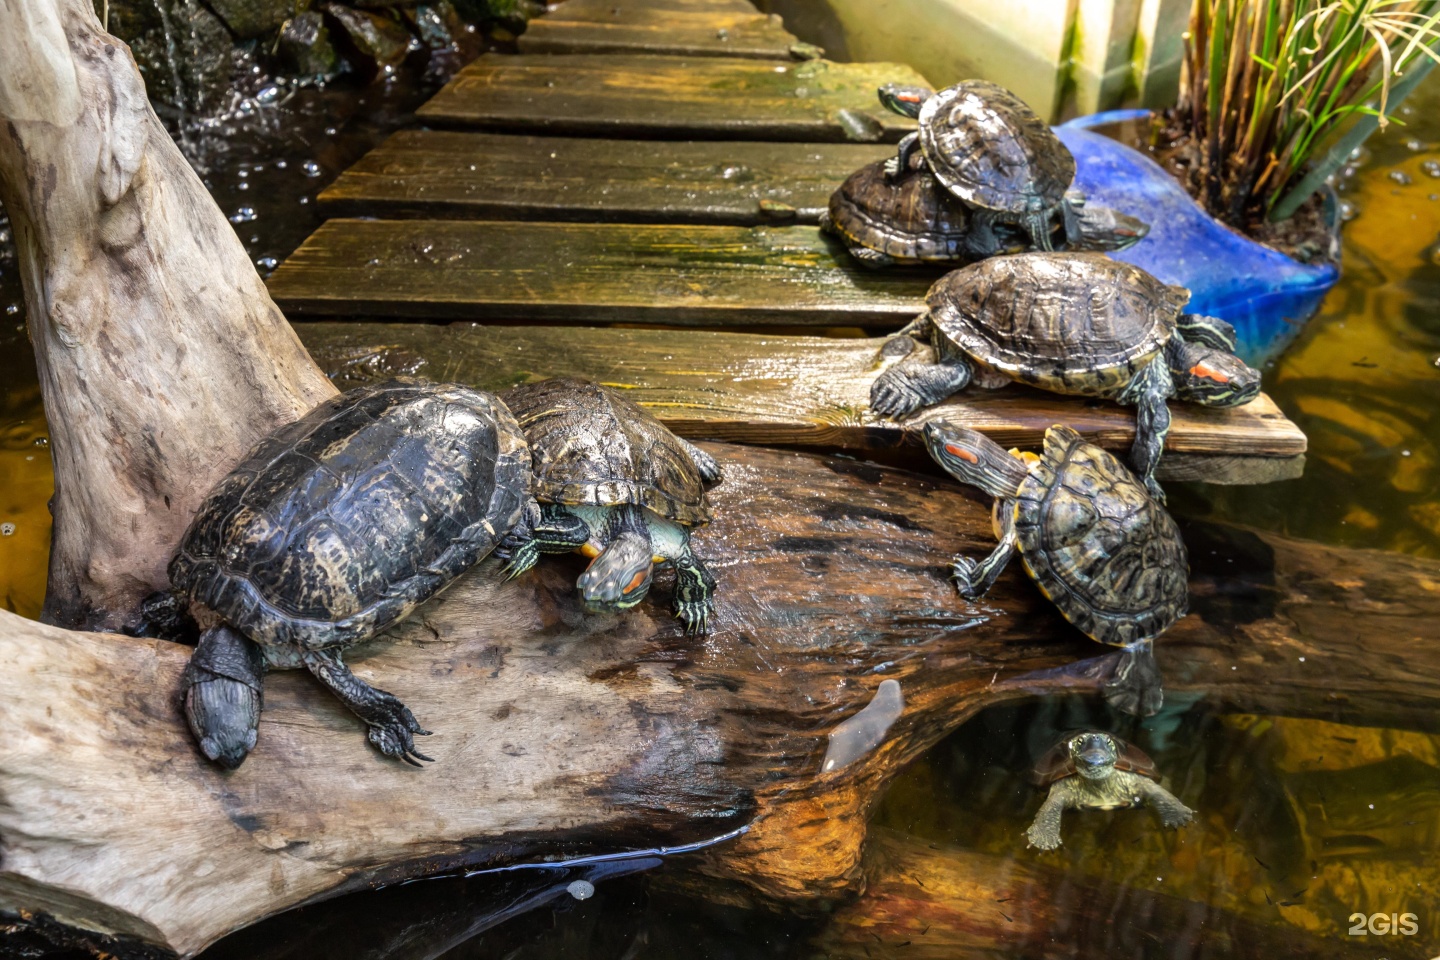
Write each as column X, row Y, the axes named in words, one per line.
column 615, row 484
column 1073, row 323
column 1095, row 543
column 1091, row 770
column 992, row 151
column 330, row 531
column 885, row 220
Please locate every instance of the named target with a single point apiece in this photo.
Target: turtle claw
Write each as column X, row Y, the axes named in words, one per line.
column 694, row 615
column 393, row 729
column 1157, row 493
column 892, row 169
column 1042, row 839
column 893, row 396
column 521, row 558
column 962, row 571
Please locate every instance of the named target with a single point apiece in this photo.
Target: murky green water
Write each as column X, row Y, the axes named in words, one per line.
column 1301, row 823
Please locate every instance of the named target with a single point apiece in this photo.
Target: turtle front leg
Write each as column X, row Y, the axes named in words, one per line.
column 1044, row 831
column 975, row 578
column 917, row 381
column 1172, row 812
column 541, row 530
column 1136, row 687
column 1037, row 225
column 899, row 164
column 708, row 466
column 1150, row 392
column 694, row 590
column 391, row 724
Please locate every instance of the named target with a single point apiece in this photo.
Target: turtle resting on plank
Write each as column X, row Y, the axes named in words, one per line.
column 992, row 151
column 1090, row 536
column 332, row 530
column 614, row 483
column 886, row 220
column 1071, row 323
column 1097, row 771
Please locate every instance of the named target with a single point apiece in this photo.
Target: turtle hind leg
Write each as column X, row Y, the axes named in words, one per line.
column 870, row 259
column 392, row 727
column 709, row 467
column 1136, row 687
column 223, row 688
column 899, row 164
column 917, row 382
column 975, row 578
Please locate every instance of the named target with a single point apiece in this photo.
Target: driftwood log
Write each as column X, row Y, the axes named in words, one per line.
column 557, row 733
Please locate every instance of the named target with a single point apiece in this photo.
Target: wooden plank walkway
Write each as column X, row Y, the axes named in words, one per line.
column 539, row 205
column 445, row 175
column 646, row 30
column 788, row 390
column 676, row 98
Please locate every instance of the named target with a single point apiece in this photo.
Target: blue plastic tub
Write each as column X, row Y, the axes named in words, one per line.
column 1265, row 294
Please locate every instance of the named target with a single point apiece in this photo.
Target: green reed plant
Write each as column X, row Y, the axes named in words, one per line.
column 1269, row 83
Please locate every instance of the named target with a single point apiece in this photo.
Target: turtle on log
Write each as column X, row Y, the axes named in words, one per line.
column 1090, row 536
column 330, row 531
column 612, row 482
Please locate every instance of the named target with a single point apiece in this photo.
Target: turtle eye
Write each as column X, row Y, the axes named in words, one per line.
column 961, row 452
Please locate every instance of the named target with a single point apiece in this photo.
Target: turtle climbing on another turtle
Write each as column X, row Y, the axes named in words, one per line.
column 614, row 483
column 1071, row 323
column 1090, row 536
column 886, row 220
column 991, row 150
column 1091, row 770
column 330, row 531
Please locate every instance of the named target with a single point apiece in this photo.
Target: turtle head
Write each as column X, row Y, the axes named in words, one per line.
column 620, row 576
column 971, row 457
column 1095, row 755
column 1213, row 377
column 904, row 99
column 1102, row 228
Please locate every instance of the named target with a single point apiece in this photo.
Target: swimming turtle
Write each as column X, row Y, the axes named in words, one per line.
column 330, row 531
column 1072, row 323
column 615, row 484
column 1091, row 770
column 990, row 150
column 1095, row 543
column 885, row 220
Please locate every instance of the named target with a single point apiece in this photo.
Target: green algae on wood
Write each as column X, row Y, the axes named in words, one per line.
column 788, row 390
column 674, row 97
column 455, row 174
column 646, row 30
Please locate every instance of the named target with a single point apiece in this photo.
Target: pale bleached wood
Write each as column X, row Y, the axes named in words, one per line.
column 133, row 279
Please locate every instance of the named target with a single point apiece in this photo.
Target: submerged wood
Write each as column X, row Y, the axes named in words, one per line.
column 792, row 391
column 560, row 733
column 133, row 279
column 678, row 98
column 452, row 174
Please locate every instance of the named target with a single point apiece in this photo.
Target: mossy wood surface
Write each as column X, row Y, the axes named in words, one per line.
column 620, row 11
column 698, row 98
column 647, row 30
column 678, row 275
column 442, row 174
column 789, row 390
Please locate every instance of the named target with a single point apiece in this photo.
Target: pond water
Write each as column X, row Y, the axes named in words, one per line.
column 1301, row 823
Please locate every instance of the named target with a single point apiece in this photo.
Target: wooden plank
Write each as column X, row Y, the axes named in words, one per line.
column 456, row 175
column 578, row 272
column 641, row 30
column 602, row 11
column 790, row 390
column 697, row 98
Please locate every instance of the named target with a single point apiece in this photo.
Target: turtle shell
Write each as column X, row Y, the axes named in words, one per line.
column 341, row 523
column 912, row 217
column 1076, row 323
column 591, row 446
column 1097, row 545
column 1057, row 764
column 992, row 150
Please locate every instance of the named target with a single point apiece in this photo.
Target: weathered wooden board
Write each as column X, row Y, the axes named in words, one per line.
column 578, row 272
column 458, row 175
column 646, row 30
column 785, row 390
column 603, row 11
column 698, row 98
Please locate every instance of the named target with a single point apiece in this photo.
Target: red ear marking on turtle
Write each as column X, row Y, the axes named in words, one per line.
column 638, row 579
column 961, row 452
column 1200, row 370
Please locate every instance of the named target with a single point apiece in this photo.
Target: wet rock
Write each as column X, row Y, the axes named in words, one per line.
column 437, row 24
column 183, row 50
column 378, row 41
column 252, row 18
column 305, row 49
